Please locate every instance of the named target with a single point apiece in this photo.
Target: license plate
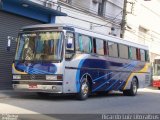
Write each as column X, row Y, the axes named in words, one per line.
column 32, row 85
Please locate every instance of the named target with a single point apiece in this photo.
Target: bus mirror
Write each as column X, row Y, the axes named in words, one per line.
column 9, row 39
column 9, row 43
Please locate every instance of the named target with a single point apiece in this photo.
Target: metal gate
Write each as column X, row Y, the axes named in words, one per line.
column 9, row 26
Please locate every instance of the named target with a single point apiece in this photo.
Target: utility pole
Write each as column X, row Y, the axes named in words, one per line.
column 123, row 23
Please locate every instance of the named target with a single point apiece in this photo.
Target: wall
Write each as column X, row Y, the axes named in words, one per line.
column 83, row 13
column 145, row 15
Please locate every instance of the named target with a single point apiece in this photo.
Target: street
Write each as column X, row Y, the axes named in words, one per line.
column 147, row 101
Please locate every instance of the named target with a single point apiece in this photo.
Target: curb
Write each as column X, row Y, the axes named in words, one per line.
column 12, row 93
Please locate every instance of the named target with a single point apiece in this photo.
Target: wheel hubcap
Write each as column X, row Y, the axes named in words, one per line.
column 134, row 87
column 85, row 89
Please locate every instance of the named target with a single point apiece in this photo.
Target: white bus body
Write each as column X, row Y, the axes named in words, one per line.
column 54, row 58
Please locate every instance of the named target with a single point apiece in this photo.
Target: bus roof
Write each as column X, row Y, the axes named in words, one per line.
column 90, row 33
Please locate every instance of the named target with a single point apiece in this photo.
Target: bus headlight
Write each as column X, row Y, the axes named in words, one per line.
column 51, row 77
column 16, row 77
column 54, row 77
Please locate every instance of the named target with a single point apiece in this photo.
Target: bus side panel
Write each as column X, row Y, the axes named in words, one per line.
column 72, row 74
column 142, row 73
column 107, row 74
column 69, row 83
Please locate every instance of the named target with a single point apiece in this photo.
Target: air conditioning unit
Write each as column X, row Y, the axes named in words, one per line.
column 50, row 3
column 97, row 1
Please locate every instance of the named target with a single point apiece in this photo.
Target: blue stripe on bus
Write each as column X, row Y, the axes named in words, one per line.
column 110, row 79
column 112, row 85
column 111, row 72
column 33, row 70
column 131, row 68
column 124, row 81
column 128, row 65
column 120, row 85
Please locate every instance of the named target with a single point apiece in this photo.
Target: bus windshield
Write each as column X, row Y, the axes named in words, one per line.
column 156, row 67
column 39, row 46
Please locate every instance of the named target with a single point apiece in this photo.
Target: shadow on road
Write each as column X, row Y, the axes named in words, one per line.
column 64, row 97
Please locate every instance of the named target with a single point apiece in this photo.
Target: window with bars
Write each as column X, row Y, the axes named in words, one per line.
column 66, row 1
column 102, row 8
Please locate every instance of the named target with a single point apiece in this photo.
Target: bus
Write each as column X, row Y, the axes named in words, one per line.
column 61, row 58
column 156, row 73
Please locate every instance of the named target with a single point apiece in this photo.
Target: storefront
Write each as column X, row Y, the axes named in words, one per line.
column 13, row 15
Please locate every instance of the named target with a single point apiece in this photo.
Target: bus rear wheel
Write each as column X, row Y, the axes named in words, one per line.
column 84, row 90
column 133, row 88
column 158, row 88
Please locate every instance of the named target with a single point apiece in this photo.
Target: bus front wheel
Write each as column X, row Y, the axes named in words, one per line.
column 133, row 88
column 84, row 90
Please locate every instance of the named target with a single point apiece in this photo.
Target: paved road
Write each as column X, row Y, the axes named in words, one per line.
column 147, row 101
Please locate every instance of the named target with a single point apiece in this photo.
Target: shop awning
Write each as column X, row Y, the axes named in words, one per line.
column 31, row 9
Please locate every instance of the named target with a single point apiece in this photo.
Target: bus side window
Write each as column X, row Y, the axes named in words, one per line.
column 100, row 47
column 142, row 54
column 146, row 56
column 132, row 53
column 123, row 51
column 85, row 43
column 70, row 45
column 138, row 54
column 80, row 43
column 94, row 45
column 113, row 49
column 106, row 48
column 77, row 41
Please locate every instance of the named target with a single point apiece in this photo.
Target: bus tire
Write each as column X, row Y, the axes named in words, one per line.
column 133, row 88
column 41, row 94
column 84, row 90
column 158, row 88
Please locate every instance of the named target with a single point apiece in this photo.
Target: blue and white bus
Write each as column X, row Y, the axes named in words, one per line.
column 57, row 58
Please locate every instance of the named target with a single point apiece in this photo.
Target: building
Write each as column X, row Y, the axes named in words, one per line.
column 104, row 16
column 13, row 15
column 142, row 24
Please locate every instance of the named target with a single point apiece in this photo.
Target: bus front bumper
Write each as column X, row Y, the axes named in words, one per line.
column 38, row 86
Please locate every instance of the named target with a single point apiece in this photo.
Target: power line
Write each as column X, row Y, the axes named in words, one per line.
column 91, row 22
column 95, row 15
column 111, row 20
column 65, row 8
column 79, row 10
column 151, row 10
column 99, row 25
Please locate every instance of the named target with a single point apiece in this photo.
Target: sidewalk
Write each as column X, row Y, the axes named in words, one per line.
column 12, row 93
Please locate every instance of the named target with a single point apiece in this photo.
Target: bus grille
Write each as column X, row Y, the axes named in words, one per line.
column 33, row 77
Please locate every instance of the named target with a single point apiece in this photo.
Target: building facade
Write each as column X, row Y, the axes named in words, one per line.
column 104, row 16
column 142, row 24
column 15, row 14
